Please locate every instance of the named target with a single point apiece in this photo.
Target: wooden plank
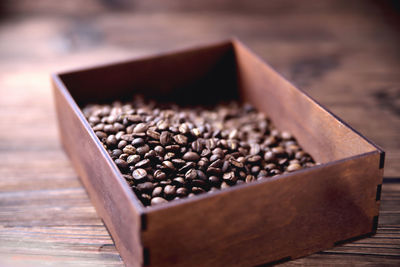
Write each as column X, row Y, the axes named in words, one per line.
column 105, row 185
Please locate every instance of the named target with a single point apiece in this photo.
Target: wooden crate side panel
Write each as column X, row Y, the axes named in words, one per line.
column 290, row 216
column 186, row 77
column 320, row 133
column 112, row 204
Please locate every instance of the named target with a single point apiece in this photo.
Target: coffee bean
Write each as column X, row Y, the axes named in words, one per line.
column 142, row 149
column 116, row 153
column 111, row 140
column 182, row 192
column 183, row 128
column 167, row 152
column 129, row 149
column 138, row 142
column 236, row 163
column 172, row 148
column 191, row 174
column 134, row 118
column 140, row 128
column 143, row 163
column 170, row 191
column 214, row 180
column 191, row 156
column 139, row 174
column 157, row 191
column 122, row 144
column 133, row 159
column 165, row 138
column 168, row 165
column 121, row 163
column 293, row 167
column 229, row 177
column 160, row 175
column 197, row 146
column 160, row 151
column 158, row 200
column 254, row 159
column 187, row 166
column 145, row 187
column 200, row 183
column 214, row 171
column 153, row 134
column 180, row 181
column 181, row 139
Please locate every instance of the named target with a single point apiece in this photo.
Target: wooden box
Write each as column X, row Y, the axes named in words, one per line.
column 285, row 217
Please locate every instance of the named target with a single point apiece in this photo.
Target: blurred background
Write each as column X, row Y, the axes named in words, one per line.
column 344, row 53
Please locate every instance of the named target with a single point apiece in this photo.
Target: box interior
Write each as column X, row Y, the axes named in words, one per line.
column 221, row 72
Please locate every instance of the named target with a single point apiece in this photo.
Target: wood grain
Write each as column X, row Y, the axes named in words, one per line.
column 343, row 53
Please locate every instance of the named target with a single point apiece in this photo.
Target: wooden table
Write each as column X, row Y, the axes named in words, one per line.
column 346, row 54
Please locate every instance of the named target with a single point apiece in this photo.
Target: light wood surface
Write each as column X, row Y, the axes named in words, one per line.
column 344, row 54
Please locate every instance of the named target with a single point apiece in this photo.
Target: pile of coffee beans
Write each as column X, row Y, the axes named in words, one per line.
column 168, row 152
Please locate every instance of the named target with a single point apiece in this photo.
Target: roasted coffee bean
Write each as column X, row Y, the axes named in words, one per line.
column 166, row 152
column 168, row 165
column 122, row 144
column 101, row 135
column 170, row 191
column 150, row 155
column 143, row 163
column 121, row 164
column 165, row 138
column 139, row 174
column 200, row 183
column 180, row 139
column 116, row 153
column 160, row 151
column 158, row 200
column 214, row 171
column 145, row 187
column 187, row 166
column 229, row 177
column 111, row 140
column 137, row 142
column 201, row 175
column 129, row 149
column 214, row 180
column 140, row 128
column 293, row 167
column 236, row 163
column 134, row 118
column 157, row 191
column 182, row 192
column 142, row 149
column 153, row 134
column 250, row 178
column 159, row 175
column 133, row 159
column 180, row 181
column 198, row 190
column 178, row 162
column 197, row 146
column 169, row 156
column 191, row 156
column 191, row 174
column 254, row 159
column 173, row 148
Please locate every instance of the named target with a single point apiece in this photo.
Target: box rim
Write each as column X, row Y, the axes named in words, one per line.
column 196, row 198
column 56, row 76
column 122, row 182
column 236, row 41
